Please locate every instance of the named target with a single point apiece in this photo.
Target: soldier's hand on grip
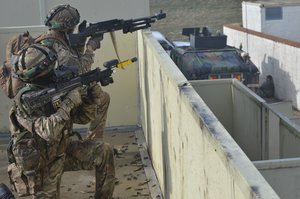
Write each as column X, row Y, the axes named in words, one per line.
column 74, row 96
column 94, row 42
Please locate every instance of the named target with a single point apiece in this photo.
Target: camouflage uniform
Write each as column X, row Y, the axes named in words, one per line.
column 41, row 148
column 97, row 100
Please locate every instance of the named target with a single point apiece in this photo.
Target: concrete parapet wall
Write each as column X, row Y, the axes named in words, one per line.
column 273, row 56
column 237, row 109
column 283, row 175
column 263, row 131
column 193, row 155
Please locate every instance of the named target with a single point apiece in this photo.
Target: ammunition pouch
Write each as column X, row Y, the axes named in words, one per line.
column 22, row 172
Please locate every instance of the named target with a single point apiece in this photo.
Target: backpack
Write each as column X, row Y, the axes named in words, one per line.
column 9, row 82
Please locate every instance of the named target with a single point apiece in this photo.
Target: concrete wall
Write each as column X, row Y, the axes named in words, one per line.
column 283, row 175
column 273, row 56
column 251, row 14
column 236, row 110
column 262, row 130
column 192, row 153
column 254, row 18
column 123, row 93
column 221, row 107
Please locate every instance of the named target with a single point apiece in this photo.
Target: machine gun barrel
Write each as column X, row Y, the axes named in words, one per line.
column 130, row 25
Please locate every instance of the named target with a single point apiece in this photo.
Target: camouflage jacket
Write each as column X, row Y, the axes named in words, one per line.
column 52, row 131
column 66, row 54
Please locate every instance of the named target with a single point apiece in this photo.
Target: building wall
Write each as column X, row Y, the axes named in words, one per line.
column 254, row 18
column 283, row 175
column 273, row 56
column 288, row 27
column 192, row 153
column 238, row 110
column 221, row 107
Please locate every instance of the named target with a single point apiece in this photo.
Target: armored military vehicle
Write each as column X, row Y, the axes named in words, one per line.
column 209, row 57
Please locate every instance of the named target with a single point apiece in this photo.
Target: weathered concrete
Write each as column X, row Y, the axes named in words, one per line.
column 193, row 155
column 283, row 175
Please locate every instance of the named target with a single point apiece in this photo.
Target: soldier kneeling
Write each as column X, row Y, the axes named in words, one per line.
column 41, row 147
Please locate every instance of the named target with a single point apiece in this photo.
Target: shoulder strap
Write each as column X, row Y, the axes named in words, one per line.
column 48, row 39
column 27, row 124
column 23, row 90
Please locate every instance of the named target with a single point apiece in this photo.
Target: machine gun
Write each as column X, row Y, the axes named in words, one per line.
column 130, row 25
column 67, row 79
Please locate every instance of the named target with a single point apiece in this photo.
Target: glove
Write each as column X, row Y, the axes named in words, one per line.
column 71, row 101
column 94, row 42
column 93, row 94
column 74, row 96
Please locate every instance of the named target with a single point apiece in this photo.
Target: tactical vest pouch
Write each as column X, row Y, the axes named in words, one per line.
column 26, row 154
column 18, row 180
column 22, row 173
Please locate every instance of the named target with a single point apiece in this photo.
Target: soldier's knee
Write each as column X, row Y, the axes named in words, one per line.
column 104, row 153
column 105, row 99
column 108, row 149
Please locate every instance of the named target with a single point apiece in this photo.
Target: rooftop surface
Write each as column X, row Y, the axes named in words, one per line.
column 135, row 176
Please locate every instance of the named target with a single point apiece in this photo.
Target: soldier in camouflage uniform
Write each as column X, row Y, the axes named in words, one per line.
column 42, row 148
column 61, row 21
column 266, row 90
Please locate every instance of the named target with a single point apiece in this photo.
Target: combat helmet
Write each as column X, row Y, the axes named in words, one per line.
column 62, row 17
column 34, row 62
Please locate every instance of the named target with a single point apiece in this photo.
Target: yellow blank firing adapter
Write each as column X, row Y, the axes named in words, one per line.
column 126, row 62
column 115, row 63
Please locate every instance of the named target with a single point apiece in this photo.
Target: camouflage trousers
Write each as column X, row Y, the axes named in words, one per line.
column 94, row 111
column 80, row 155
